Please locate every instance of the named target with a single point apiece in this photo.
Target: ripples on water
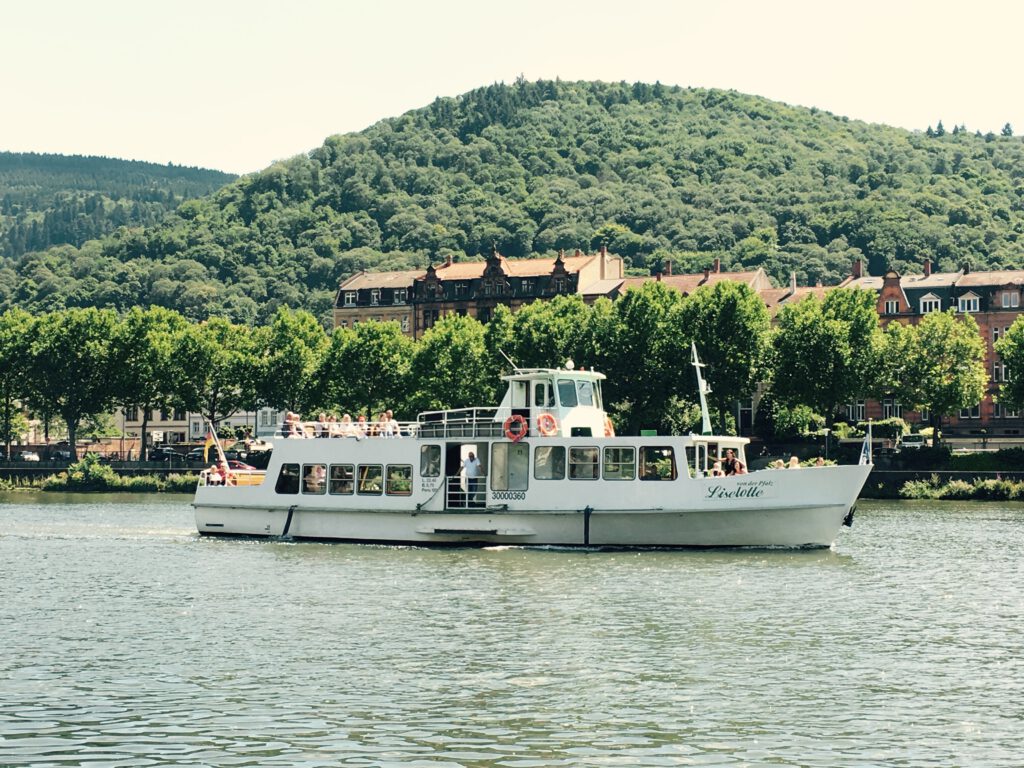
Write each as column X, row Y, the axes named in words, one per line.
column 129, row 641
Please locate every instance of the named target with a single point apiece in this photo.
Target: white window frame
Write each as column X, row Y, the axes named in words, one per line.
column 892, row 307
column 350, row 298
column 930, row 303
column 1011, row 299
column 974, row 412
column 892, row 408
column 968, row 303
column 375, row 296
column 401, row 295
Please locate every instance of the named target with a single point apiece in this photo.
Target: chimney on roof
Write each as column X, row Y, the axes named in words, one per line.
column 666, row 267
column 448, row 260
column 578, row 252
column 967, row 267
column 604, row 252
column 927, row 267
column 707, row 273
column 858, row 269
column 657, row 277
column 792, row 283
column 718, row 266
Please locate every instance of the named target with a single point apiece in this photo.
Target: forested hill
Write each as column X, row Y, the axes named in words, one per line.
column 50, row 200
column 533, row 167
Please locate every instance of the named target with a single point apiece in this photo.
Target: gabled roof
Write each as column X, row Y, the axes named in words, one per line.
column 470, row 270
column 995, row 278
column 775, row 298
column 687, row 284
column 400, row 279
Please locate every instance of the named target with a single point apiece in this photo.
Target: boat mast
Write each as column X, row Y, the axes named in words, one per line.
column 703, row 389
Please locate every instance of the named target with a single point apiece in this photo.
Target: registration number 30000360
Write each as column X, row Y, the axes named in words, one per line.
column 508, row 495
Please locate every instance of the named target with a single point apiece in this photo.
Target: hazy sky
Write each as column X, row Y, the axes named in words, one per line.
column 235, row 85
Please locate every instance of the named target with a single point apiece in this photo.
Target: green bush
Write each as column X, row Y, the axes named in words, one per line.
column 90, row 475
column 842, row 431
column 957, row 489
column 180, row 483
column 922, row 489
column 889, row 429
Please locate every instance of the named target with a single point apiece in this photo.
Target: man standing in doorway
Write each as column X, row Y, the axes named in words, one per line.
column 473, row 470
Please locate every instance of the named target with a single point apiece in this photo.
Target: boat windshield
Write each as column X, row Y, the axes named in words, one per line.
column 567, row 393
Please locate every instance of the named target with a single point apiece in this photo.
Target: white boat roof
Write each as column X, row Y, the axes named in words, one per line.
column 527, row 374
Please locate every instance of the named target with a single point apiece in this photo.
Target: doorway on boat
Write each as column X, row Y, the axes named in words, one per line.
column 465, row 469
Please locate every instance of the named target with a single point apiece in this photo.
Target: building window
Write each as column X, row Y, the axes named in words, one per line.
column 131, row 414
column 461, row 289
column 488, row 287
column 892, row 307
column 891, row 409
column 995, row 334
column 343, row 323
column 527, row 287
column 974, row 412
column 1011, row 299
column 931, row 303
column 405, row 323
column 855, row 411
column 925, row 415
column 350, row 298
column 968, row 303
column 558, row 285
column 430, row 316
column 179, row 414
column 401, row 295
column 998, row 371
column 375, row 296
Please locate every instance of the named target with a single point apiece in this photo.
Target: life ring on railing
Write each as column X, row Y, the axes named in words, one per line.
column 547, row 425
column 609, row 428
column 520, row 428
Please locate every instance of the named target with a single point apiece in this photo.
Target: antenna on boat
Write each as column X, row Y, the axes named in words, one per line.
column 702, row 389
column 510, row 361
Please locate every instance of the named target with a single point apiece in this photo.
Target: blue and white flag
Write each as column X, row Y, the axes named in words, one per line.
column 865, row 451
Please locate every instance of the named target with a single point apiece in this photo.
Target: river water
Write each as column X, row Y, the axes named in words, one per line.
column 126, row 640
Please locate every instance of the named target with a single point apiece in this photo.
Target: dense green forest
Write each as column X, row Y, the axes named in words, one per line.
column 48, row 200
column 529, row 168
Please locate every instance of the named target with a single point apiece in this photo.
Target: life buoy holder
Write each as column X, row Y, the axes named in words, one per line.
column 547, row 425
column 609, row 428
column 516, row 428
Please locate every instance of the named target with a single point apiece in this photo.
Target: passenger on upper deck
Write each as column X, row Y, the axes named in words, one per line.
column 321, row 428
column 390, row 428
column 361, row 429
column 730, row 462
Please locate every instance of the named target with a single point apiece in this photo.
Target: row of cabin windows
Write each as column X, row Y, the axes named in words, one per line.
column 345, row 479
column 509, row 469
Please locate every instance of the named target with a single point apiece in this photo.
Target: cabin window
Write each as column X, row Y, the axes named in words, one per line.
column 430, row 461
column 657, row 463
column 288, row 479
column 567, row 393
column 543, row 395
column 314, row 478
column 583, row 463
column 549, row 462
column 342, row 479
column 370, row 477
column 399, row 480
column 510, row 466
column 619, row 463
column 586, row 392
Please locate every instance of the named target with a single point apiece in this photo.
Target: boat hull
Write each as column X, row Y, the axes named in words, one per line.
column 811, row 526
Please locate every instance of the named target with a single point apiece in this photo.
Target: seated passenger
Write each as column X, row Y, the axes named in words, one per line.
column 361, row 428
column 794, row 462
column 716, row 470
column 391, row 427
column 213, row 476
column 321, row 428
column 741, row 468
column 819, row 462
column 730, row 462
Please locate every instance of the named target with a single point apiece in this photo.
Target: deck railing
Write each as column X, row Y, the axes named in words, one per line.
column 466, row 493
column 463, row 422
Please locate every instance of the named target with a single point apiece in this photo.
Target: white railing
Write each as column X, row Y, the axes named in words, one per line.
column 463, row 422
column 466, row 492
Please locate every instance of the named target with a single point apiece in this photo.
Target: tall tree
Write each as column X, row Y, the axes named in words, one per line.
column 149, row 367
column 219, row 369
column 292, row 350
column 1011, row 349
column 449, row 367
column 827, row 352
column 939, row 365
column 72, row 355
column 15, row 332
column 731, row 328
column 366, row 369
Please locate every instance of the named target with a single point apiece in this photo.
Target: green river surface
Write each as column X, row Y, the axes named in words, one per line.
column 128, row 640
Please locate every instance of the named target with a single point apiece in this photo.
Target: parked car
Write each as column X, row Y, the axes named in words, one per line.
column 163, row 453
column 912, row 442
column 27, row 456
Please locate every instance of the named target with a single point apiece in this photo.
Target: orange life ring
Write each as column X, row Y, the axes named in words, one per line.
column 609, row 428
column 547, row 425
column 521, row 430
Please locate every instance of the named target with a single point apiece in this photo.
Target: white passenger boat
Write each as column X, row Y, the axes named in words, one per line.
column 551, row 471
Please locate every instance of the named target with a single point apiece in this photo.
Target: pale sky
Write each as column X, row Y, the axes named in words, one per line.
column 235, row 85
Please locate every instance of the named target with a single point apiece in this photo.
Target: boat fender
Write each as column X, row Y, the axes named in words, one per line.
column 609, row 428
column 516, row 428
column 547, row 425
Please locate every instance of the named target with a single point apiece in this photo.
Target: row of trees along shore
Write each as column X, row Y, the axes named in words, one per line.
column 76, row 364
